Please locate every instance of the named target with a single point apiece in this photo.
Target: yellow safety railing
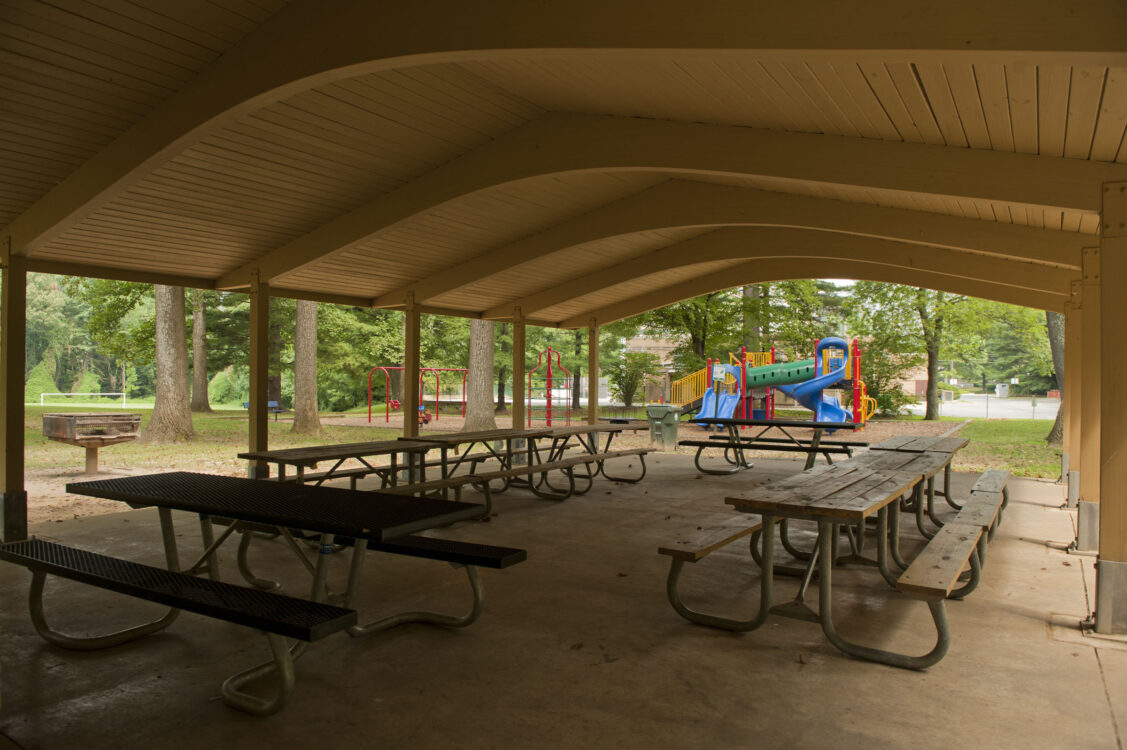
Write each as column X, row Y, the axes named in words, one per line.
column 691, row 387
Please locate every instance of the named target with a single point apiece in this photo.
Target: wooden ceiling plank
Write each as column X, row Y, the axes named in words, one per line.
column 994, row 92
column 1021, row 83
column 111, row 61
column 784, row 78
column 1083, row 108
column 882, row 85
column 911, row 92
column 832, row 107
column 211, row 18
column 51, row 83
column 86, row 23
column 1112, row 123
column 937, row 90
column 843, row 96
column 855, row 82
column 1053, row 84
column 345, row 165
column 968, row 103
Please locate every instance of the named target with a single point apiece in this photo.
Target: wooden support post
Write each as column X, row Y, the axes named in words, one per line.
column 411, row 333
column 13, row 329
column 259, row 438
column 518, row 369
column 1087, row 524
column 593, row 372
column 1111, row 572
column 1073, row 373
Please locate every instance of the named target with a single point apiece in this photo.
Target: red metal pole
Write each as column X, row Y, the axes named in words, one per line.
column 857, row 395
column 548, row 401
column 465, row 374
column 771, row 391
column 437, row 396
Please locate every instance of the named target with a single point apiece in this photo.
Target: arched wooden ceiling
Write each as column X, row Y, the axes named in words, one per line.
column 576, row 161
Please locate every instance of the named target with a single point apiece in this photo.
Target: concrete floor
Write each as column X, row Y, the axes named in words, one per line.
column 578, row 646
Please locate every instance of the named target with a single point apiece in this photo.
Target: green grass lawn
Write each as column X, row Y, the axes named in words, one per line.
column 1017, row 445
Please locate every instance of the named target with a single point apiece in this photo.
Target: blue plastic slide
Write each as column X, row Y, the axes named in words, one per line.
column 809, row 392
column 723, row 407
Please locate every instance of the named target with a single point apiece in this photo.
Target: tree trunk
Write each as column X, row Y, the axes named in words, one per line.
column 932, row 412
column 199, row 354
column 752, row 338
column 479, row 404
column 305, row 418
column 274, row 356
column 501, row 372
column 932, row 324
column 172, row 417
column 1055, row 323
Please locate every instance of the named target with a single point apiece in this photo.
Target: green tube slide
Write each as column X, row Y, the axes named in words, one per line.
column 784, row 373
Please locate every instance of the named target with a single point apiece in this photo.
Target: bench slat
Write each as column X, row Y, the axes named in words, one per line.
column 694, row 544
column 992, row 480
column 981, row 510
column 276, row 613
column 748, row 445
column 935, row 571
column 447, row 550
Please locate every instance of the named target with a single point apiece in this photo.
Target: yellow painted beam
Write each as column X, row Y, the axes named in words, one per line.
column 777, row 269
column 13, row 320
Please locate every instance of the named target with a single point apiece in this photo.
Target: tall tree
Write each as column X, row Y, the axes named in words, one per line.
column 199, row 353
column 1054, row 322
column 305, row 415
column 172, row 417
column 274, row 354
column 903, row 327
column 479, row 402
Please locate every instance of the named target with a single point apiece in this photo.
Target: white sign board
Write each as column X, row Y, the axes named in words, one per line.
column 1013, row 381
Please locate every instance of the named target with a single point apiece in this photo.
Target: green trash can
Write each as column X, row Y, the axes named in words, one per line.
column 663, row 424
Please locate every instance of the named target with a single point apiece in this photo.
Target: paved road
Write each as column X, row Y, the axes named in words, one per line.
column 992, row 407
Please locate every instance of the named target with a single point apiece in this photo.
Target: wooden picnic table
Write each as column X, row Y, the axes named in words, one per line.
column 309, row 457
column 736, row 444
column 831, row 497
column 928, row 464
column 918, row 444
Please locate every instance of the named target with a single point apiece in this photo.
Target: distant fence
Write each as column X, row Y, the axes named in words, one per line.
column 43, row 396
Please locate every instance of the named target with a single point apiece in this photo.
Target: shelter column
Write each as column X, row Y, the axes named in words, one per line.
column 13, row 325
column 1111, row 570
column 1073, row 372
column 411, row 333
column 593, row 372
column 259, row 373
column 518, row 368
column 1088, row 513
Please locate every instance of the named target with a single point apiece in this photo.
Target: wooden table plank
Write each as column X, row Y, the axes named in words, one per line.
column 310, row 455
column 481, row 436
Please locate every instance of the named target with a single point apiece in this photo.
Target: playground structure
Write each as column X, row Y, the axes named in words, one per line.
column 556, row 389
column 726, row 390
column 391, row 404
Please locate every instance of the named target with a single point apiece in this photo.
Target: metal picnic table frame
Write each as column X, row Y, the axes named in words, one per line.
column 735, row 443
column 445, row 441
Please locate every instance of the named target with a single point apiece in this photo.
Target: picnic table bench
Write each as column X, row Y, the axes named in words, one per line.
column 272, row 407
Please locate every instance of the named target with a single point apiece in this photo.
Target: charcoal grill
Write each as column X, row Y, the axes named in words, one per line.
column 91, row 431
